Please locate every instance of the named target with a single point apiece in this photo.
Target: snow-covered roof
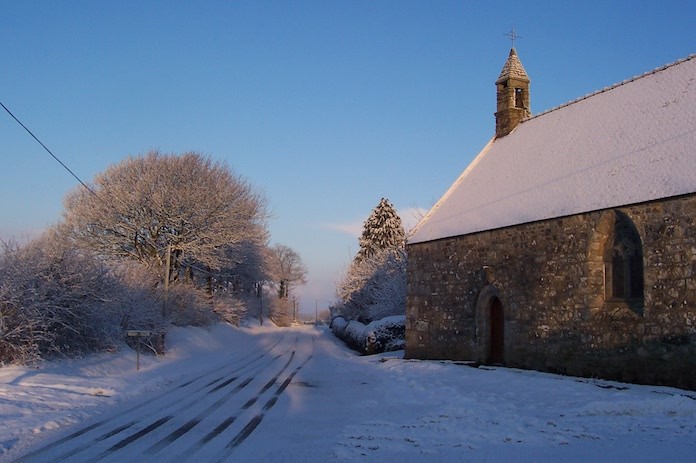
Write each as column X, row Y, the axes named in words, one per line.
column 630, row 143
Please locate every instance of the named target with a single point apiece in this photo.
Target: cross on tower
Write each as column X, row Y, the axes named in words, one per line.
column 512, row 36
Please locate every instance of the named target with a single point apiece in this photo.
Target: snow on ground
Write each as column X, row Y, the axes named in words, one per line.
column 345, row 408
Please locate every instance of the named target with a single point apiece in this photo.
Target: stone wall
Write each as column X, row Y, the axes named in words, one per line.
column 549, row 277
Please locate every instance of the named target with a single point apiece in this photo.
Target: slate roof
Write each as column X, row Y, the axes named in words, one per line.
column 627, row 144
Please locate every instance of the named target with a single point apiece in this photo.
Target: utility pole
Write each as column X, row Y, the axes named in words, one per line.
column 167, row 266
column 259, row 294
column 316, row 312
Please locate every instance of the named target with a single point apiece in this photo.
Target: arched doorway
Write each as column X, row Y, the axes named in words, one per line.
column 490, row 327
column 496, row 336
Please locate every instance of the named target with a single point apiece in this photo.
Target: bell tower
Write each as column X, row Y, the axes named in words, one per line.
column 512, row 95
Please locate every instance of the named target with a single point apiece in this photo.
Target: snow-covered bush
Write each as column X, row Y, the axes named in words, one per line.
column 352, row 333
column 338, row 326
column 140, row 303
column 229, row 308
column 54, row 299
column 373, row 288
column 386, row 335
column 23, row 328
column 379, row 336
column 280, row 310
column 188, row 305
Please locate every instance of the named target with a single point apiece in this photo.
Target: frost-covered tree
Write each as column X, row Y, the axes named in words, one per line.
column 381, row 231
column 373, row 288
column 288, row 271
column 149, row 204
column 249, row 262
column 287, row 268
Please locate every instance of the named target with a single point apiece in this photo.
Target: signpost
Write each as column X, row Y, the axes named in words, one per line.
column 139, row 334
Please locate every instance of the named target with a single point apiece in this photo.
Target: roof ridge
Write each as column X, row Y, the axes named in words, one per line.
column 612, row 87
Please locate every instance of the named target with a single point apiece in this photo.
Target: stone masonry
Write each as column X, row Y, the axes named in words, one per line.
column 549, row 277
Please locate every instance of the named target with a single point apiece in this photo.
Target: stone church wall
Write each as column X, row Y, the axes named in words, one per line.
column 549, row 277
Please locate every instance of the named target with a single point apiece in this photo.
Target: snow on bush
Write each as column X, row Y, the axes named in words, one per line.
column 386, row 335
column 138, row 303
column 378, row 336
column 231, row 309
column 54, row 300
column 373, row 288
column 338, row 325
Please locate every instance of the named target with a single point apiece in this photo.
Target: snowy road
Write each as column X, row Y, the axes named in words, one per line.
column 210, row 414
column 297, row 395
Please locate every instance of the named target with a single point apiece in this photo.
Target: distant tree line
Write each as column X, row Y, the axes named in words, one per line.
column 156, row 239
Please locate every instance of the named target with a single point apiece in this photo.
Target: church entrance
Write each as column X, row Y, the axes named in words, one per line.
column 490, row 327
column 496, row 337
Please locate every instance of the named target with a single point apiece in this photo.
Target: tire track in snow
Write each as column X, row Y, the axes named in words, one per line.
column 249, row 428
column 220, row 428
column 67, row 440
column 181, row 407
column 191, row 423
column 186, row 427
column 174, row 412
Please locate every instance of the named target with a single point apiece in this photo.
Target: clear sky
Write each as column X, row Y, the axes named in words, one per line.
column 327, row 106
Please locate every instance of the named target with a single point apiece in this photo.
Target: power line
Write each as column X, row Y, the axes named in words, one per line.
column 49, row 151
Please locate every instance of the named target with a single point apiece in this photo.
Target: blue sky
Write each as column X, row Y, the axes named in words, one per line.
column 326, row 106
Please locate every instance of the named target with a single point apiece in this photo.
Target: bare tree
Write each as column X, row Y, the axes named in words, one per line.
column 287, row 269
column 155, row 206
column 248, row 264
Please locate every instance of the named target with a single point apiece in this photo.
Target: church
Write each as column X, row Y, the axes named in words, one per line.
column 568, row 245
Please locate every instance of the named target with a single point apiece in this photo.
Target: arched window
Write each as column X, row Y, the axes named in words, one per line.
column 519, row 98
column 623, row 262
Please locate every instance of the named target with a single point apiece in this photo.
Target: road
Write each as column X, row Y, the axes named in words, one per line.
column 298, row 395
column 202, row 418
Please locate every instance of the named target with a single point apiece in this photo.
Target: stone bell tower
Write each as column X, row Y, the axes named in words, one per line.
column 513, row 96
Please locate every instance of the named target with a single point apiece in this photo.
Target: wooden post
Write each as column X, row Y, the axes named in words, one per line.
column 168, row 263
column 139, row 335
column 261, row 303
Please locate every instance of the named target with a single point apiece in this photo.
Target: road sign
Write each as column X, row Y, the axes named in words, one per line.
column 138, row 333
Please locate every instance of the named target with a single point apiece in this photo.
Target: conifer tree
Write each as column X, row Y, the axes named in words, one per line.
column 382, row 231
column 374, row 286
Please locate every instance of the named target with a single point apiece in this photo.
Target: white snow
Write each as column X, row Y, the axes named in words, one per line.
column 346, row 408
column 628, row 144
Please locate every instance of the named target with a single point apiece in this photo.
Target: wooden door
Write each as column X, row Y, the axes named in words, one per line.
column 497, row 334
